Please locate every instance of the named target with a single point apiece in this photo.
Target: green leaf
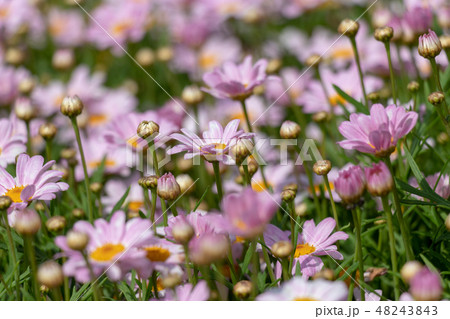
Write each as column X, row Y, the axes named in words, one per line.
column 361, row 108
column 121, row 201
column 201, row 199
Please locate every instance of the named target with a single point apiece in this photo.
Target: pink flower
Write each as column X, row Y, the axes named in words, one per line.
column 350, row 184
column 33, row 181
column 114, row 247
column 236, row 82
column 201, row 222
column 300, row 289
column 429, row 45
column 66, row 27
column 215, row 143
column 12, row 143
column 248, row 212
column 426, row 285
column 187, row 292
column 378, row 132
column 162, row 254
column 441, row 185
column 379, row 179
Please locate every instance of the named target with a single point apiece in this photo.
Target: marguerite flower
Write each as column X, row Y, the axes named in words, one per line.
column 215, row 144
column 33, row 181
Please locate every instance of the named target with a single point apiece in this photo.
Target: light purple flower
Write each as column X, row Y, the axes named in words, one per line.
column 66, row 27
column 350, row 184
column 379, row 179
column 441, row 185
column 426, row 285
column 234, row 81
column 378, row 132
column 429, row 45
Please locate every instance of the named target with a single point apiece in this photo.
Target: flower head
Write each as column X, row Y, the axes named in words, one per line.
column 378, row 132
column 426, row 285
column 168, row 187
column 236, row 82
column 379, row 179
column 215, row 144
column 429, row 45
column 350, row 184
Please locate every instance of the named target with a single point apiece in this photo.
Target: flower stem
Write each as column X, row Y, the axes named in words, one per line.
column 187, row 264
column 29, row 144
column 333, row 204
column 92, row 276
column 66, row 284
column 358, row 248
column 218, row 180
column 358, row 64
column 247, row 178
column 267, row 260
column 152, row 213
column 247, row 119
column 83, row 162
column 28, row 242
column 388, row 212
column 48, row 150
column 164, row 212
column 151, row 146
column 12, row 250
column 391, row 71
column 438, row 84
column 294, row 238
column 255, row 269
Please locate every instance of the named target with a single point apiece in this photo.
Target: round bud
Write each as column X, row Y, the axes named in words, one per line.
column 27, row 222
column 5, row 202
column 68, row 153
column 78, row 213
column 96, row 187
column 429, row 45
column 242, row 289
column 164, row 54
column 14, row 56
column 442, row 138
column 148, row 182
column 380, row 221
column 252, row 166
column 313, row 60
column 413, row 86
column 447, row 222
column 436, row 98
column 288, row 195
column 145, row 57
column 186, row 183
column 410, row 269
column 292, row 187
column 373, row 96
column 63, row 59
column 24, row 109
column 192, row 95
column 384, row 34
column 71, row 106
column 445, row 41
column 322, row 167
column 27, row 85
column 282, row 249
column 290, row 130
column 55, row 223
column 348, row 27
column 182, row 232
column 43, row 289
column 274, row 66
column 147, row 129
column 39, row 207
column 77, row 240
column 321, row 117
column 324, row 273
column 171, row 281
column 301, row 209
column 241, row 150
column 168, row 187
column 48, row 131
column 50, row 274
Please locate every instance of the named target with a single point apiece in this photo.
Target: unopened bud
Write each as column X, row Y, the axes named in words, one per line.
column 321, row 117
column 147, row 129
column 27, row 85
column 410, row 269
column 78, row 213
column 71, row 106
column 182, row 232
column 373, row 96
column 274, row 66
column 313, row 60
column 324, row 273
column 148, row 182
column 77, row 240
column 349, row 28
column 192, row 95
column 384, row 34
column 63, row 59
column 50, row 274
column 413, row 86
column 445, row 41
column 96, row 187
column 322, row 167
column 252, row 166
column 429, row 45
column 436, row 98
column 288, row 195
column 164, row 54
column 145, row 57
column 27, row 222
column 290, row 130
column 48, row 131
column 442, row 138
column 168, row 187
column 171, row 281
column 282, row 249
column 5, row 202
column 242, row 289
column 186, row 183
column 55, row 223
column 293, row 187
column 241, row 150
column 24, row 109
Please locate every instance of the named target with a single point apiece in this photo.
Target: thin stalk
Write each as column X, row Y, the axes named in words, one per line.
column 48, row 150
column 438, row 83
column 155, row 284
column 333, row 204
column 358, row 64
column 285, row 269
column 293, row 236
column 388, row 212
column 173, row 209
column 83, row 161
column 28, row 242
column 218, row 180
column 29, row 141
column 187, row 263
column 92, row 276
column 66, row 284
column 267, row 260
column 247, row 119
column 12, row 249
column 358, row 248
column 164, row 212
column 231, row 264
column 247, row 179
column 255, row 269
column 401, row 221
column 152, row 213
column 391, row 71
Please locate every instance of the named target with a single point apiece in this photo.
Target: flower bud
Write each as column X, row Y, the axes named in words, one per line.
column 145, row 57
column 436, row 98
column 410, row 269
column 282, row 249
column 186, row 183
column 349, row 28
column 373, row 96
column 429, row 45
column 242, row 289
column 14, row 56
column 96, row 187
column 413, row 86
column 77, row 240
column 192, row 95
column 209, row 248
column 71, row 106
column 379, row 179
column 293, row 187
column 27, row 222
column 288, row 195
column 78, row 213
column 426, row 285
column 182, row 232
column 164, row 54
column 48, row 131
column 241, row 150
column 322, row 167
column 321, row 117
column 290, row 130
column 50, row 274
column 445, row 41
column 313, row 60
column 147, row 129
column 5, row 202
column 24, row 110
column 324, row 273
column 301, row 210
column 39, row 207
column 384, row 34
column 168, row 187
column 55, row 223
column 172, row 280
column 68, row 153
column 252, row 166
column 447, row 222
column 273, row 66
column 350, row 184
column 63, row 59
column 26, row 86
column 148, row 182
column 442, row 138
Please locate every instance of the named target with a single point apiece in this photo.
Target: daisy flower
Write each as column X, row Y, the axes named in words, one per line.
column 300, row 289
column 114, row 247
column 215, row 144
column 33, row 181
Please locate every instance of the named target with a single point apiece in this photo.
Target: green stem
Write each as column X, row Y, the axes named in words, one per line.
column 48, row 150
column 356, row 221
column 293, row 236
column 66, row 285
column 155, row 284
column 255, row 269
column 152, row 213
column 173, row 209
column 92, row 275
column 187, row 263
column 164, row 212
column 267, row 260
column 388, row 212
column 12, row 249
column 358, row 64
column 218, row 180
column 438, row 84
column 247, row 179
column 86, row 175
column 247, row 119
column 151, row 146
column 28, row 242
column 333, row 204
column 29, row 141
column 391, row 71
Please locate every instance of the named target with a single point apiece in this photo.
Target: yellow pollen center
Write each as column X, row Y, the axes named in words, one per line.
column 56, row 27
column 135, row 205
column 95, row 164
column 336, row 100
column 133, row 141
column 240, row 224
column 303, row 249
column 97, row 119
column 239, row 239
column 304, row 299
column 207, row 60
column 14, row 193
column 156, row 253
column 107, row 252
column 121, row 27
column 259, row 186
column 342, row 53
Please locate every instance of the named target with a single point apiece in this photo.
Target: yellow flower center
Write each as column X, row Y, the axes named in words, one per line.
column 157, row 253
column 304, row 299
column 56, row 27
column 97, row 119
column 4, row 12
column 259, row 186
column 107, row 252
column 207, row 60
column 135, row 205
column 239, row 239
column 14, row 193
column 121, row 27
column 303, row 249
column 217, row 146
column 342, row 53
column 336, row 100
column 96, row 164
column 240, row 224
column 133, row 141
